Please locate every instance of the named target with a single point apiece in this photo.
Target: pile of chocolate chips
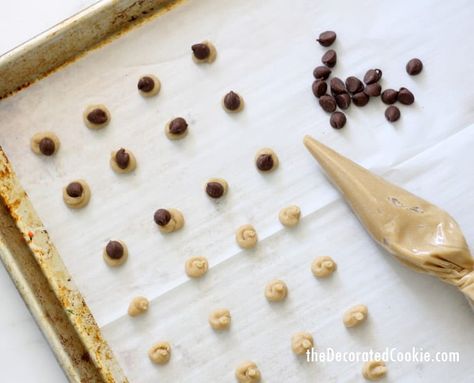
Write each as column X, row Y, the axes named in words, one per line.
column 353, row 90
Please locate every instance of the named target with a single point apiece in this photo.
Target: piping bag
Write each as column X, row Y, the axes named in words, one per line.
column 419, row 234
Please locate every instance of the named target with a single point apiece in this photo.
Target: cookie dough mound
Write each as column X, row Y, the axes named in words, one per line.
column 138, row 306
column 374, row 370
column 160, row 353
column 216, row 188
column 149, row 85
column 220, row 319
column 248, row 372
column 204, row 52
column 302, row 342
column 232, row 102
column 246, row 237
column 290, row 216
column 355, row 316
column 276, row 291
column 115, row 253
column 169, row 220
column 323, row 267
column 266, row 160
column 77, row 194
column 123, row 161
column 176, row 129
column 45, row 143
column 196, row 267
column 96, row 116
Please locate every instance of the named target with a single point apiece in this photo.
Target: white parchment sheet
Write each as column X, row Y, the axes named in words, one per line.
column 266, row 52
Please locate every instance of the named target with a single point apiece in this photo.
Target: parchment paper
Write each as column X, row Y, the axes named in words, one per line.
column 266, row 52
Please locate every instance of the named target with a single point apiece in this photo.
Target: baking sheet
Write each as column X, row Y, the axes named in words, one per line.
column 266, row 52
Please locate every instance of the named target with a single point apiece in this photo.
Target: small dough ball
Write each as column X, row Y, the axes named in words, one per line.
column 220, row 319
column 169, row 220
column 45, row 143
column 276, row 291
column 160, row 353
column 246, row 237
column 138, row 306
column 266, row 160
column 323, row 266
column 96, row 116
column 301, row 342
column 115, row 253
column 290, row 216
column 232, row 102
column 149, row 85
column 77, row 194
column 374, row 370
column 176, row 129
column 248, row 372
column 204, row 52
column 216, row 187
column 196, row 267
column 123, row 161
column 355, row 315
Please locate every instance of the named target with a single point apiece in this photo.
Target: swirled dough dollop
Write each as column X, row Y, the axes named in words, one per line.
column 323, row 266
column 246, row 237
column 220, row 319
column 168, row 220
column 355, row 315
column 248, row 372
column 149, row 85
column 77, row 194
column 96, row 116
column 45, row 143
column 123, row 161
column 290, row 216
column 374, row 370
column 196, row 267
column 160, row 353
column 276, row 291
column 115, row 253
column 301, row 342
column 138, row 306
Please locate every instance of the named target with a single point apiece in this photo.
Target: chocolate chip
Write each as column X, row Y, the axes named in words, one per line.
column 372, row 76
column 327, row 38
column 178, row 126
column 47, row 146
column 338, row 120
column 354, row 85
column 389, row 96
column 74, row 190
column 328, row 103
column 405, row 97
column 414, row 67
column 146, row 84
column 214, row 189
column 232, row 101
column 329, row 58
column 392, row 113
column 373, row 90
column 321, row 72
column 122, row 158
column 114, row 250
column 360, row 99
column 265, row 162
column 201, row 51
column 343, row 100
column 97, row 116
column 319, row 88
column 337, row 86
column 162, row 217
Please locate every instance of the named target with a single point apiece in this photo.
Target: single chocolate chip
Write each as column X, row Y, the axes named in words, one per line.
column 329, row 58
column 373, row 90
column 360, row 99
column 47, row 146
column 122, row 158
column 354, row 85
column 389, row 96
column 372, row 76
column 414, row 67
column 232, row 101
column 162, row 217
column 201, row 51
column 214, row 189
column 343, row 100
column 319, row 88
column 392, row 113
column 97, row 116
column 265, row 162
column 327, row 38
column 178, row 126
column 321, row 72
column 328, row 103
column 338, row 120
column 146, row 84
column 337, row 86
column 114, row 249
column 405, row 97
column 74, row 190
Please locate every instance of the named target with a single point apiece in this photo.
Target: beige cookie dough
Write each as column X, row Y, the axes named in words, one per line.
column 123, row 161
column 176, row 129
column 248, row 372
column 301, row 342
column 196, row 267
column 96, row 116
column 149, row 85
column 220, row 319
column 246, row 237
column 138, row 306
column 77, row 194
column 355, row 315
column 169, row 220
column 115, row 253
column 204, row 52
column 276, row 291
column 232, row 102
column 45, row 143
column 323, row 266
column 374, row 370
column 216, row 188
column 290, row 215
column 266, row 160
column 160, row 353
